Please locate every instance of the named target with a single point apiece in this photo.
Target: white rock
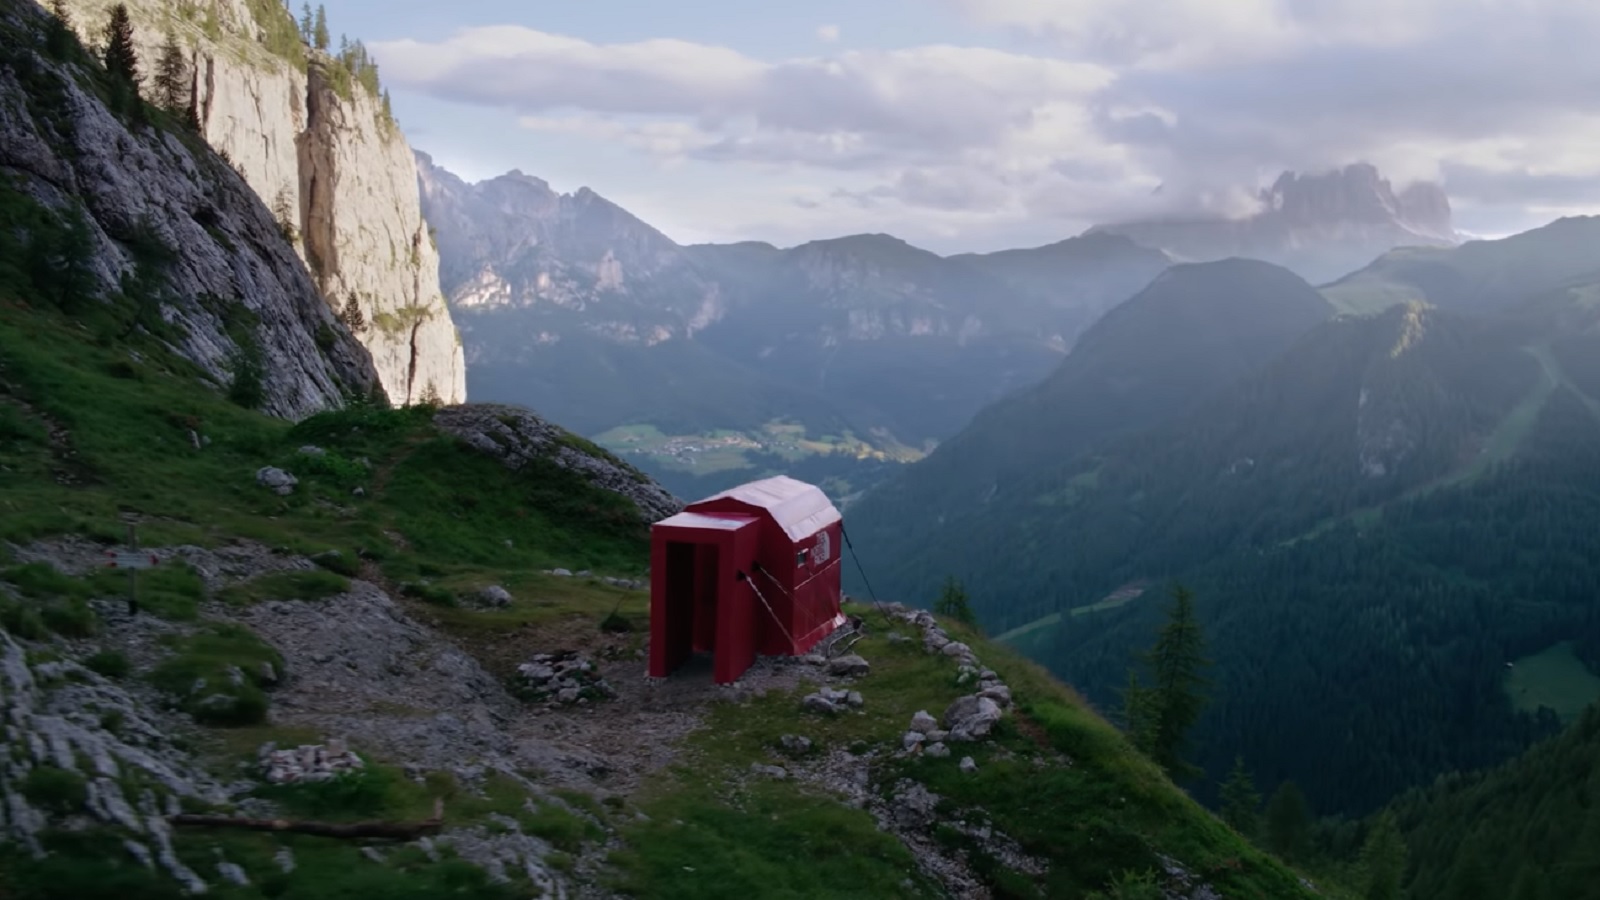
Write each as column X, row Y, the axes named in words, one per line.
column 923, row 721
column 967, row 764
column 276, row 479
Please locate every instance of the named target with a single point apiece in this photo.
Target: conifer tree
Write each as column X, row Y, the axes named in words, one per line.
column 1288, row 822
column 1383, row 860
column 58, row 36
column 953, row 602
column 307, row 23
column 120, row 58
column 172, row 81
column 352, row 316
column 1175, row 660
column 1240, row 800
column 319, row 29
column 1139, row 709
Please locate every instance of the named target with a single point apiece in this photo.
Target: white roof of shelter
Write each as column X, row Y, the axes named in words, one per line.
column 800, row 509
column 721, row 522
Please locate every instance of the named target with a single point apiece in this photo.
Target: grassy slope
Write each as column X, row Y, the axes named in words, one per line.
column 1105, row 812
column 435, row 511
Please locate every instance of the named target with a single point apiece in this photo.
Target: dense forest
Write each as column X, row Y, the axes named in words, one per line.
column 1526, row 830
column 1379, row 521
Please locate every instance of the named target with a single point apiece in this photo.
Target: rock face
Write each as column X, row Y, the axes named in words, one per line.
column 329, row 164
column 1320, row 225
column 515, row 437
column 184, row 223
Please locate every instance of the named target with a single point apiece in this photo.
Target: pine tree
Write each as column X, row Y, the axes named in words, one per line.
column 120, row 58
column 352, row 316
column 58, row 34
column 953, row 602
column 1240, row 800
column 306, row 23
column 319, row 32
column 1176, row 661
column 1288, row 822
column 172, row 80
column 1139, row 711
column 1383, row 860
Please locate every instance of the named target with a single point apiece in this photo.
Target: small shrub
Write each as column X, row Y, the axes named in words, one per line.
column 55, row 789
column 111, row 720
column 23, row 621
column 428, row 593
column 72, row 619
column 306, row 584
column 335, row 561
column 42, row 580
column 201, row 675
column 248, row 385
column 110, row 663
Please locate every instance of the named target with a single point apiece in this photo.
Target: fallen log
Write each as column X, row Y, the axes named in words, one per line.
column 399, row 831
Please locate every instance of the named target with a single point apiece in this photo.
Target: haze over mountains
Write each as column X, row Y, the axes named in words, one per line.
column 1321, row 225
column 863, row 344
column 1383, row 510
column 711, row 361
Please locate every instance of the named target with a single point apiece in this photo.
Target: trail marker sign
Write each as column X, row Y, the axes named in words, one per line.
column 130, row 559
column 133, row 560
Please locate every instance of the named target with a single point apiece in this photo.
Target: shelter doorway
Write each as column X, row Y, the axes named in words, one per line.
column 691, row 601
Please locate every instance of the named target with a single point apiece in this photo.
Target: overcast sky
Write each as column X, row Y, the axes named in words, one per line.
column 982, row 124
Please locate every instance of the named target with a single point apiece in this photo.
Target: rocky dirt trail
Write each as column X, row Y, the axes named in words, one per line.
column 365, row 669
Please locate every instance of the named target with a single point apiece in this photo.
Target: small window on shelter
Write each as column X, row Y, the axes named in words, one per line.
column 800, row 558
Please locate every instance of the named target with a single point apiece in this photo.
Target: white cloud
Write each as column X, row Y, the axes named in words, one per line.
column 1203, row 99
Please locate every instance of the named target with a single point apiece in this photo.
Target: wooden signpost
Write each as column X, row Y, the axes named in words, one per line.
column 132, row 560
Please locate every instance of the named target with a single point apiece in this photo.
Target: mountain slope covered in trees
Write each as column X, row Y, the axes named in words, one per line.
column 1194, row 329
column 1382, row 518
column 1526, row 830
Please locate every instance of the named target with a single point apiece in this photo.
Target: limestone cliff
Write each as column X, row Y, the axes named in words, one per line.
column 323, row 155
column 168, row 229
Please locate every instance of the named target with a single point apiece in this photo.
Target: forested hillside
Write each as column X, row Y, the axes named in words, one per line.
column 1381, row 518
column 1195, row 329
column 1527, row 830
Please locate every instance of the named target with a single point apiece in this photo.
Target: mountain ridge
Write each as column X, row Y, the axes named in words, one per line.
column 1321, row 225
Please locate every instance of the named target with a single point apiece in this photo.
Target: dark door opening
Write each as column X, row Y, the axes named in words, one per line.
column 691, row 613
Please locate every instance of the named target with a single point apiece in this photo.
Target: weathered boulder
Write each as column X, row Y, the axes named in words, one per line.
column 924, row 722
column 494, row 595
column 972, row 716
column 516, row 437
column 848, row 666
column 276, row 480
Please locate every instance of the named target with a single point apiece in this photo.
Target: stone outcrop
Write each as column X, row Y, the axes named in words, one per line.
column 182, row 223
column 516, row 436
column 330, row 164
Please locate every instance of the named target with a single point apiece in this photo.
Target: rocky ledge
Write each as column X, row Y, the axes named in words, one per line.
column 516, row 436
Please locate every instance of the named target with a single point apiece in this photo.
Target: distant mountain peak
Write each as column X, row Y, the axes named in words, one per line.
column 1320, row 224
column 1358, row 194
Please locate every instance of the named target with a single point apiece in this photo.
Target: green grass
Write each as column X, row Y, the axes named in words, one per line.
column 451, row 506
column 1094, row 819
column 215, row 674
column 1553, row 677
column 308, row 584
column 774, row 841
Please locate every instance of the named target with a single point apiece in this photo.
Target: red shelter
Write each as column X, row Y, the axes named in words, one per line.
column 751, row 570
